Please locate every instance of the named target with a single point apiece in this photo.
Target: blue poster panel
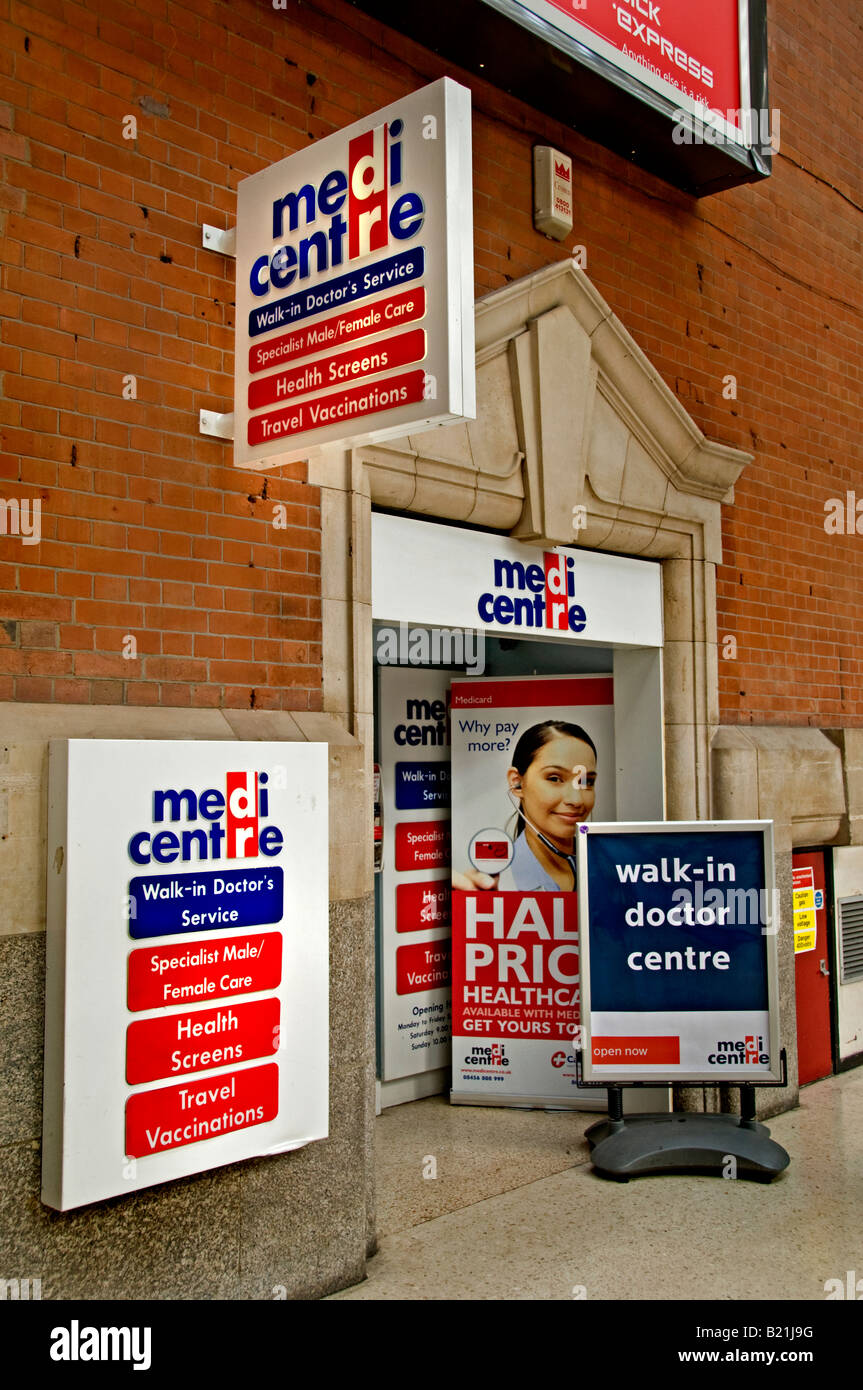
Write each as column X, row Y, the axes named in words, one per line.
column 678, row 926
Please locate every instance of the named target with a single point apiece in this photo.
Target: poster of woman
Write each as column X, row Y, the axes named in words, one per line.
column 532, row 759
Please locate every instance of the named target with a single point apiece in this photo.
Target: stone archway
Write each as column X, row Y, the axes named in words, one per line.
column 571, row 415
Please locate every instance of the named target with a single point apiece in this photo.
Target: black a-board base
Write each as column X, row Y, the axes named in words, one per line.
column 719, row 1144
column 729, row 1146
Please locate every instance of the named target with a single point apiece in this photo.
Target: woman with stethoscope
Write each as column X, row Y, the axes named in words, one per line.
column 552, row 785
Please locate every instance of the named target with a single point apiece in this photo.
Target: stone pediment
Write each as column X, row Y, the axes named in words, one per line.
column 570, row 415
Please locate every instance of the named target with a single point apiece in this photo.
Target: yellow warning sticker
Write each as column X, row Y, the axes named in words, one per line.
column 804, row 921
column 803, row 898
column 803, row 941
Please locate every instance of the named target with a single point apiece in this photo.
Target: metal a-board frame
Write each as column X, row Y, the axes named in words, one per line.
column 733, row 1145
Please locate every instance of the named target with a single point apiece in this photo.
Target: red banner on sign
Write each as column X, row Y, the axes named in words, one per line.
column 371, row 360
column 391, row 312
column 241, row 815
column 337, row 408
column 177, row 1115
column 423, row 844
column 200, row 1039
column 420, row 906
column 632, row 1051
column 204, row 970
column 592, row 690
column 515, row 965
column 368, row 229
column 556, row 592
column 423, row 967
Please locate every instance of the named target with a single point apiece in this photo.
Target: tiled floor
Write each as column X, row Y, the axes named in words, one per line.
column 517, row 1212
column 477, row 1153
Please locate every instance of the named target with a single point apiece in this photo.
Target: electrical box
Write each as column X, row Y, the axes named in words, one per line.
column 552, row 192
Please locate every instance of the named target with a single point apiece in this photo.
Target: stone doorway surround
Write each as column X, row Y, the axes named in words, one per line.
column 579, row 441
column 570, row 415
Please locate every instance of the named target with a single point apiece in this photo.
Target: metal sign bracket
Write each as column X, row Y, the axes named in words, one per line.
column 223, row 240
column 221, row 426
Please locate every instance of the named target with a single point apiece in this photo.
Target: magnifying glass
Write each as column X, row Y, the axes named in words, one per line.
column 491, row 851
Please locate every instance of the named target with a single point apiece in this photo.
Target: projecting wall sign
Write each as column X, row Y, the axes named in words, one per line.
column 355, row 284
column 187, row 981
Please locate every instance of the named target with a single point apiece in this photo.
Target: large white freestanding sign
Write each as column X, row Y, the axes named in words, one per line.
column 187, row 969
column 355, row 284
column 414, row 965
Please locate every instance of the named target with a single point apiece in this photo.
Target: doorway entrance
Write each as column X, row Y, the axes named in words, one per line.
column 812, row 965
column 449, row 603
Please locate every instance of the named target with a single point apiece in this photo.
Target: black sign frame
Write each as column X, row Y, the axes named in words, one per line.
column 507, row 45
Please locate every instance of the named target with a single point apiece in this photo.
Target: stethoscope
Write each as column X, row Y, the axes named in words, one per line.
column 561, row 854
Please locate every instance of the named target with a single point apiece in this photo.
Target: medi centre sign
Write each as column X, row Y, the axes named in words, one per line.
column 677, row 928
column 187, row 979
column 355, row 284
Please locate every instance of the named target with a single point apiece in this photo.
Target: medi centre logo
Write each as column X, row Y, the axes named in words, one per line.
column 233, row 828
column 491, row 1056
column 353, row 204
column 748, row 1051
column 353, row 216
column 354, row 281
column 219, row 824
column 547, row 591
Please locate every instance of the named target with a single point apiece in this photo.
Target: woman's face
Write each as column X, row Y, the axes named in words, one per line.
column 558, row 789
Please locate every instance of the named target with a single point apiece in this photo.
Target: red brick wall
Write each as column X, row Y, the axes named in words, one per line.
column 148, row 531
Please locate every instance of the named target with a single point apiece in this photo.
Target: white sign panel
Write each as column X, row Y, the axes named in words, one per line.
column 447, row 577
column 413, row 729
column 355, row 284
column 187, row 971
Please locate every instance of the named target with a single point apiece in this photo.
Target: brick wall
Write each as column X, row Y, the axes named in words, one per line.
column 146, row 529
column 148, row 533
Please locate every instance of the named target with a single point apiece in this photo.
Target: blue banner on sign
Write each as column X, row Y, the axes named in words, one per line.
column 421, row 786
column 338, row 293
column 168, row 904
column 677, row 921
